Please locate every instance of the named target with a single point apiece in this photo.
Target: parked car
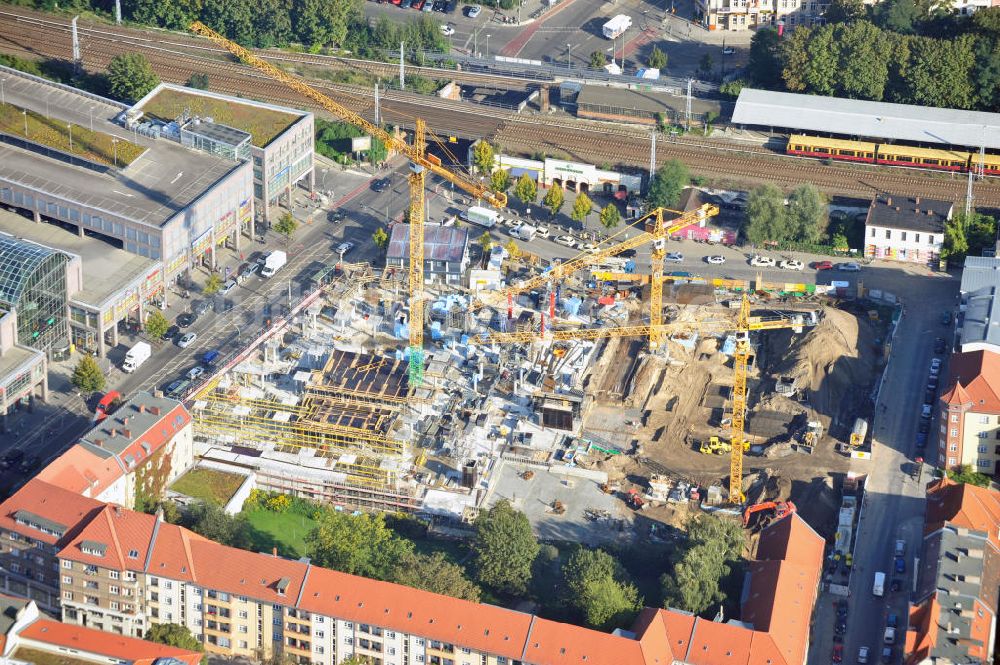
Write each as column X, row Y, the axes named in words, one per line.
column 568, row 241
column 200, row 307
column 589, row 247
column 674, row 257
column 542, row 231
column 335, row 216
column 899, row 564
column 680, row 274
column 921, row 439
column 30, row 463
column 177, row 388
column 925, row 410
column 791, row 264
column 472, row 11
column 172, row 332
column 728, row 50
column 838, row 653
column 940, row 346
column 447, row 30
column 762, row 261
column 716, row 259
column 892, row 620
column 925, row 426
column 185, row 341
column 822, row 265
column 227, row 287
column 887, row 655
column 187, row 319
column 381, row 184
column 850, row 266
column 195, row 372
column 628, row 254
column 344, row 248
column 863, row 655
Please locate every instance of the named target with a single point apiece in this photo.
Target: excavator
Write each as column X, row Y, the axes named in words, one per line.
column 781, row 510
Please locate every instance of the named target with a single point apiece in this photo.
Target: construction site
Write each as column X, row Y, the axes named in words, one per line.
column 584, row 396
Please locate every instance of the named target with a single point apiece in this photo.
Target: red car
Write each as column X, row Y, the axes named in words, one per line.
column 838, row 653
column 418, row 5
column 823, row 265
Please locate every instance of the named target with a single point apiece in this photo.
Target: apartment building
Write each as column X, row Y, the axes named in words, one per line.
column 902, row 228
column 970, row 413
column 739, row 15
column 121, row 571
column 953, row 618
column 138, row 451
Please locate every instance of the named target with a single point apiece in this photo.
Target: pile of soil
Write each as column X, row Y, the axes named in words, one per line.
column 834, row 362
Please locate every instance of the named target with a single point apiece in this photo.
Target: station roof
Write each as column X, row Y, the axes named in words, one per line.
column 855, row 117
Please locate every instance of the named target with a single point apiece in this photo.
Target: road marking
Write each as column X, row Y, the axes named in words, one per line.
column 177, row 177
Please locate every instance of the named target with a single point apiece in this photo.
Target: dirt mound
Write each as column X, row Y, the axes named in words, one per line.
column 833, row 362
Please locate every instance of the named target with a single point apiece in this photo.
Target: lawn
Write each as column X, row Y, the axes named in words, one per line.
column 287, row 531
column 41, row 658
column 209, row 485
column 95, row 146
column 262, row 124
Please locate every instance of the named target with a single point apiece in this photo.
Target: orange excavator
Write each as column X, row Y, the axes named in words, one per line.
column 781, row 509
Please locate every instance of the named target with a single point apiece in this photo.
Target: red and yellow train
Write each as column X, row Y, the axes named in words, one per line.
column 892, row 155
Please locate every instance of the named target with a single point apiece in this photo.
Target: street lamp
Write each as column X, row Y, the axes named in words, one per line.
column 114, row 145
column 24, row 112
column 569, row 56
column 91, row 118
column 3, row 96
column 487, row 44
column 69, row 126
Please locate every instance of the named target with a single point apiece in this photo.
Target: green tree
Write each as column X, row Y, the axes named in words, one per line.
column 286, row 225
column 582, row 207
column 839, row 242
column 657, row 58
column 198, row 81
column 212, row 522
column 130, row 77
column 668, row 184
column 806, row 214
column 845, row 11
column 486, row 242
column 706, row 64
column 232, row 18
column 986, row 73
column 864, row 61
column 610, row 217
column 713, row 549
column 357, row 544
column 986, row 21
column 156, row 325
column 435, row 573
column 554, row 198
column 764, row 65
column 380, row 238
column 87, row 376
column 484, row 157
column 212, row 284
column 526, row 189
column 174, row 635
column 966, row 474
column 766, row 218
column 732, row 88
column 956, row 244
column 600, row 589
column 272, row 23
column 941, row 72
column 500, row 180
column 598, row 59
column 968, row 234
column 900, row 16
column 505, row 549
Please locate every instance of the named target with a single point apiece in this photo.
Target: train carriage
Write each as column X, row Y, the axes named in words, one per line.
column 991, row 163
column 826, row 148
column 928, row 158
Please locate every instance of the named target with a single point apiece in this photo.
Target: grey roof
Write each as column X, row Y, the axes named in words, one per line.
column 216, row 132
column 107, row 438
column 9, row 609
column 37, row 521
column 441, row 243
column 19, row 260
column 981, row 318
column 94, row 546
column 980, row 271
column 855, row 117
column 594, row 97
column 909, row 213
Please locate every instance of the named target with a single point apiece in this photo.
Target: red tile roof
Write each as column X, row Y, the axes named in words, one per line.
column 126, row 535
column 964, row 505
column 81, row 471
column 555, row 643
column 924, row 627
column 51, row 503
column 249, row 574
column 55, row 634
column 978, row 372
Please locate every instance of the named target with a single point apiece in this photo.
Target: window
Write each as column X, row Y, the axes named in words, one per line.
column 983, row 435
column 982, row 449
column 954, row 431
column 68, row 595
column 243, row 614
column 348, row 640
column 65, row 564
column 873, row 232
column 951, row 461
column 984, row 420
column 67, row 579
column 391, row 651
column 930, row 239
column 129, row 576
column 953, row 447
column 984, row 463
column 243, row 644
column 319, row 649
column 167, row 584
column 243, row 629
column 954, row 417
column 133, row 554
column 113, row 590
column 916, row 238
column 888, row 234
column 902, row 236
column 114, row 574
column 114, row 605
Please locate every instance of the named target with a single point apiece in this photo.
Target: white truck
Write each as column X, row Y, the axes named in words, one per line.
column 273, row 263
column 617, row 26
column 525, row 232
column 136, row 356
column 481, row 217
column 878, row 588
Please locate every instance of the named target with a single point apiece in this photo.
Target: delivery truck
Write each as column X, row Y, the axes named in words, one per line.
column 878, row 588
column 617, row 26
column 481, row 217
column 136, row 356
column 274, row 262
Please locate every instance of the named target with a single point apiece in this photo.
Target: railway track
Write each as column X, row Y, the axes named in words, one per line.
column 175, row 58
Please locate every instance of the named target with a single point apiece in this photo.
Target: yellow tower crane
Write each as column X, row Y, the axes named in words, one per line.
column 420, row 163
column 743, row 326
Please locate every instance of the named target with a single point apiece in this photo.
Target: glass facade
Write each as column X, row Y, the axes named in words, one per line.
column 33, row 284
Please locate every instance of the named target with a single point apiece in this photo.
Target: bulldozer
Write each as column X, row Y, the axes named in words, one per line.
column 716, row 446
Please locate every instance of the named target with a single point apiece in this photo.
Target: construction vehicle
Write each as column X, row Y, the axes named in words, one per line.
column 528, row 475
column 781, row 510
column 420, row 164
column 859, row 432
column 635, row 500
column 813, row 433
column 716, row 446
column 558, row 507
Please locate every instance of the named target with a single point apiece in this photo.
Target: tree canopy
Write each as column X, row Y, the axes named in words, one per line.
column 505, row 549
column 380, row 238
column 130, row 77
column 500, row 180
column 713, row 548
column 581, row 207
column 668, row 184
column 87, row 376
column 657, row 58
column 600, row 590
column 156, row 325
column 174, row 635
column 554, row 198
column 286, row 225
column 357, row 544
column 610, row 217
column 483, row 157
column 436, row 574
column 526, row 189
column 770, row 220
